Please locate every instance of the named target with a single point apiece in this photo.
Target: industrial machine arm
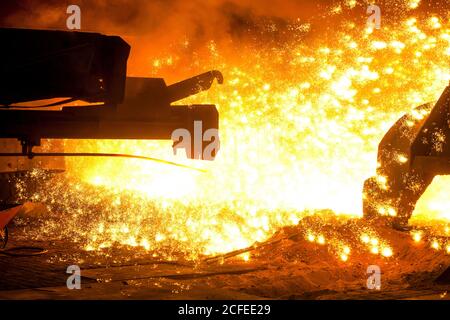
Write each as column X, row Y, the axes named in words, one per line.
column 44, row 64
column 410, row 155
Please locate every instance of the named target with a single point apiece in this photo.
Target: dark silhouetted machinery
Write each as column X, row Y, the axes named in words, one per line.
column 64, row 68
column 41, row 64
column 410, row 155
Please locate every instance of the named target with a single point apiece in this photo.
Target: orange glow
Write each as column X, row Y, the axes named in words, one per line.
column 300, row 126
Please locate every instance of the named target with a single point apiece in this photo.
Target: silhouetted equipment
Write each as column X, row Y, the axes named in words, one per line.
column 444, row 277
column 410, row 155
column 87, row 70
column 45, row 64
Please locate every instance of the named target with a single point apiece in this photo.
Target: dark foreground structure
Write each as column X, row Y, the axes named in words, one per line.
column 410, row 155
column 41, row 64
column 88, row 69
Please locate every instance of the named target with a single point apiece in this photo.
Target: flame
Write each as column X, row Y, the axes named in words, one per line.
column 300, row 127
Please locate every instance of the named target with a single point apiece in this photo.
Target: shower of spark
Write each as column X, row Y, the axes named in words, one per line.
column 300, row 126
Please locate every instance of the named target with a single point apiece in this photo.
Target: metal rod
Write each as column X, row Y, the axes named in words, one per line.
column 89, row 154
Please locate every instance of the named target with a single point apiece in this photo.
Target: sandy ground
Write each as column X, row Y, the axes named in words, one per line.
column 287, row 266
